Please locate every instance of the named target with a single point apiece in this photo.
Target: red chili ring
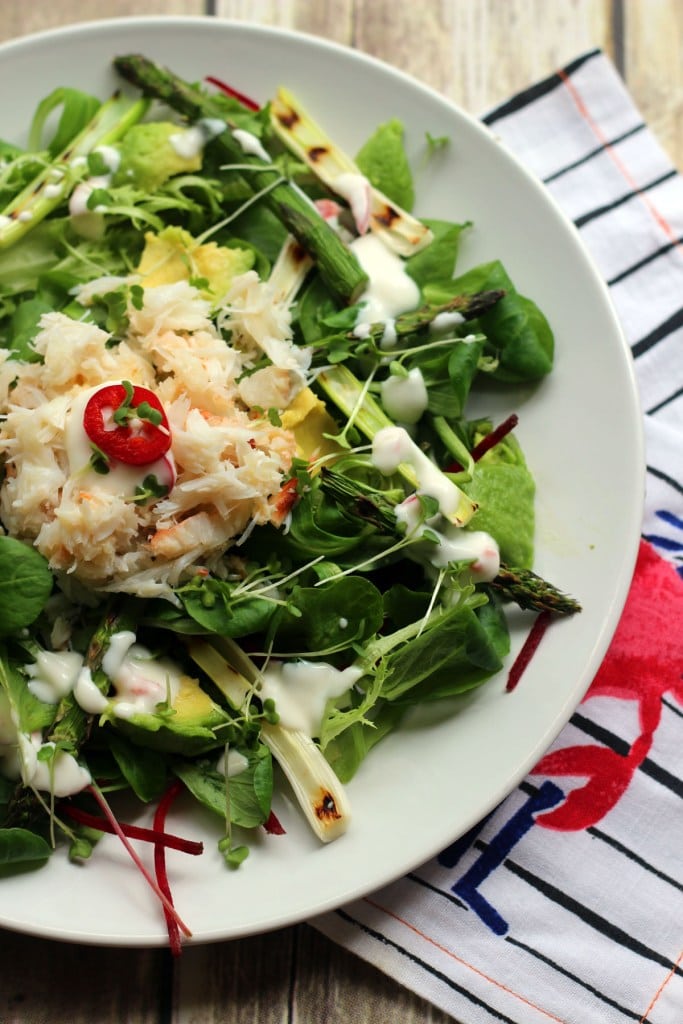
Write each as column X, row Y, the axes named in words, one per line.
column 136, row 447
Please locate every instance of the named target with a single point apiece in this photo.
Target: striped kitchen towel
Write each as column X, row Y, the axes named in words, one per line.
column 566, row 904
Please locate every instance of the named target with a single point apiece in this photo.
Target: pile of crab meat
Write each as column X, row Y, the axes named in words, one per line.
column 141, row 527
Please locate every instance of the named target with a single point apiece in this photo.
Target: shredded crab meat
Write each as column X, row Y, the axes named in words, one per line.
column 256, row 318
column 229, row 458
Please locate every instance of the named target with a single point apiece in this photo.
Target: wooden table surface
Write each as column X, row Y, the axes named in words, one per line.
column 476, row 52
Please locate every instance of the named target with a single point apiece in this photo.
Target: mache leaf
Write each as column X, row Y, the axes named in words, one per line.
column 25, row 585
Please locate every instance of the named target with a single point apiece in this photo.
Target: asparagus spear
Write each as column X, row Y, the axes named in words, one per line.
column 529, row 590
column 358, row 501
column 338, row 266
column 468, row 306
column 523, row 586
column 73, row 725
column 54, row 183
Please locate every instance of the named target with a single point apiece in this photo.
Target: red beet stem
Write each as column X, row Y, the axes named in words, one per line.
column 541, row 623
column 488, row 442
column 148, row 835
column 246, row 101
column 273, row 826
column 496, row 435
column 165, row 901
column 160, row 870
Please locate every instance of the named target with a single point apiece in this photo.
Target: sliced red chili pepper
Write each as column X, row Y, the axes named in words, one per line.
column 127, row 422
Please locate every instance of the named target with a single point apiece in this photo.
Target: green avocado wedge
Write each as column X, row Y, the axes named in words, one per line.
column 193, row 724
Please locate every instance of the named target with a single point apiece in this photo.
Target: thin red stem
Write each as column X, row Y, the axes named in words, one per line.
column 109, row 814
column 162, row 810
column 529, row 647
column 148, row 835
column 488, row 442
column 496, row 435
column 246, row 101
column 273, row 826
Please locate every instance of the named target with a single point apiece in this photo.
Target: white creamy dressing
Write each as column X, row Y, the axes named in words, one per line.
column 62, row 775
column 88, row 695
column 55, row 187
column 189, row 143
column 393, row 446
column 446, row 321
column 88, row 221
column 250, row 144
column 405, row 398
column 141, row 681
column 301, row 690
column 53, row 675
column 355, row 189
column 389, row 335
column 449, row 543
column 121, row 479
column 234, row 764
column 390, row 291
column 52, row 678
column 362, row 330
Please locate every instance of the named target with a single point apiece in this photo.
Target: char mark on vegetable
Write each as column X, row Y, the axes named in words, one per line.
column 315, row 153
column 288, row 118
column 386, row 216
column 326, row 807
column 298, row 254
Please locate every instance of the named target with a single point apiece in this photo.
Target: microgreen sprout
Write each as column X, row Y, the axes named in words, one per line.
column 164, row 709
column 150, row 490
column 341, row 437
column 234, row 855
column 127, row 411
column 366, row 562
column 98, row 460
column 278, row 582
column 204, row 237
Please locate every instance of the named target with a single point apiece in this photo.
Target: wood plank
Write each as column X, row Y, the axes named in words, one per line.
column 653, row 66
column 334, row 986
column 89, row 984
column 478, row 54
column 20, row 19
column 324, row 18
column 243, row 982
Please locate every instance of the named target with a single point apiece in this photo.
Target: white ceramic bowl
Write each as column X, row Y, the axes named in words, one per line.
column 429, row 782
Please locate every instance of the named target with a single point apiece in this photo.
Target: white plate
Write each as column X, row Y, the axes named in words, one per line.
column 429, row 783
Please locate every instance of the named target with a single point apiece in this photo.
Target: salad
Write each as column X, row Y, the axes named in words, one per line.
column 247, row 517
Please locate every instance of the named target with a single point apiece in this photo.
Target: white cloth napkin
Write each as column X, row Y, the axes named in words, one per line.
column 566, row 903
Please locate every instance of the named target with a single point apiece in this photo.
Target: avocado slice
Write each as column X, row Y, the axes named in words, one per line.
column 193, row 724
